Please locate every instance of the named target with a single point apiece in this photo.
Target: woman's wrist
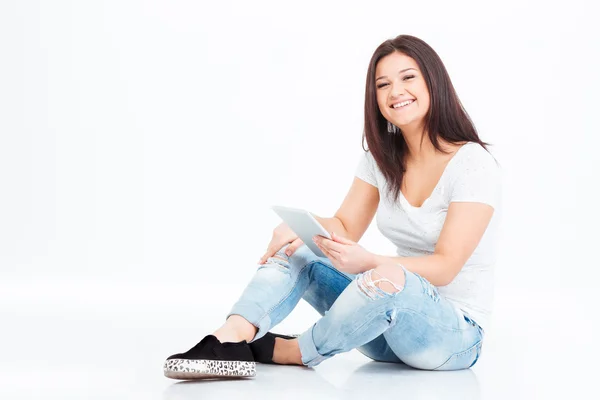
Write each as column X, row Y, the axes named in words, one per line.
column 376, row 260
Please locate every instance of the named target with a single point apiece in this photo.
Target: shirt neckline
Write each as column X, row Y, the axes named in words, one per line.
column 405, row 203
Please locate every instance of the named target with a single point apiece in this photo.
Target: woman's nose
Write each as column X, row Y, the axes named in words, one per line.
column 397, row 90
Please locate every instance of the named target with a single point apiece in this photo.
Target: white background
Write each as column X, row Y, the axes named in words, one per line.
column 142, row 143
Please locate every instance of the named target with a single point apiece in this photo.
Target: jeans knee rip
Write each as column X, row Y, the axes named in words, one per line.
column 369, row 287
column 278, row 261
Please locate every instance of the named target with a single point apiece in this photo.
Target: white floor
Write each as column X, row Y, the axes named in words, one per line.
column 108, row 341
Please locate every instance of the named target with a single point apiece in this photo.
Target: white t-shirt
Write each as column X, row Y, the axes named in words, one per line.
column 471, row 175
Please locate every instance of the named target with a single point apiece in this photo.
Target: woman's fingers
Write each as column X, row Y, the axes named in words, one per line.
column 271, row 250
column 282, row 235
column 330, row 245
column 275, row 246
column 264, row 258
column 291, row 249
column 332, row 255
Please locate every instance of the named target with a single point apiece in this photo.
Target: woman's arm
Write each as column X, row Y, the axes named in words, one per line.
column 464, row 227
column 356, row 212
column 351, row 220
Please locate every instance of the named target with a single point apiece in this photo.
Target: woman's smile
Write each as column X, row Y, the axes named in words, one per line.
column 401, row 105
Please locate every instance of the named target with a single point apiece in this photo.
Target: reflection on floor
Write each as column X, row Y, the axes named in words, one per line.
column 89, row 348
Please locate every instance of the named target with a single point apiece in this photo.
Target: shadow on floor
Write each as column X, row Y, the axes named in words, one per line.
column 369, row 381
column 399, row 380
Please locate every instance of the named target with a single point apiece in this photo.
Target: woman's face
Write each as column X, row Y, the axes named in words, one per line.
column 402, row 93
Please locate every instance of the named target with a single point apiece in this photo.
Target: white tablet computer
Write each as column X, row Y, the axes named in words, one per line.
column 304, row 225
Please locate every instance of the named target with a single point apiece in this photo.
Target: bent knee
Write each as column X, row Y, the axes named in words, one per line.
column 299, row 259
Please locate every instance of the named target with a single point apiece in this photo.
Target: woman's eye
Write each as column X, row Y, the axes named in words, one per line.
column 407, row 77
column 381, row 85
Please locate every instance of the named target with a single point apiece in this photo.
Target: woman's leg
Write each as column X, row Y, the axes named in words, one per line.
column 422, row 329
column 326, row 285
column 276, row 289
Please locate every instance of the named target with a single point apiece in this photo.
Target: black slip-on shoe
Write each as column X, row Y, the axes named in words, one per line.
column 212, row 359
column 262, row 349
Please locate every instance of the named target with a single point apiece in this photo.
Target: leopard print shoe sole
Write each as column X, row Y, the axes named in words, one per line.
column 178, row 368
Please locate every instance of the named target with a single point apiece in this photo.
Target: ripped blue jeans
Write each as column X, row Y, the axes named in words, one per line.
column 414, row 325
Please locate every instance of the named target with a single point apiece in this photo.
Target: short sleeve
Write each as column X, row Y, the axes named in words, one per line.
column 366, row 169
column 478, row 181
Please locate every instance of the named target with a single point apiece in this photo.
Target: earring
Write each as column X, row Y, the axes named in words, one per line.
column 392, row 129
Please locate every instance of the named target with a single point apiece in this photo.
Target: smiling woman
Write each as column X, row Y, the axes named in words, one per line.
column 401, row 97
column 436, row 192
column 409, row 87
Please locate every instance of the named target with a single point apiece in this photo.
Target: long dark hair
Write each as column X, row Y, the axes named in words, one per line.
column 446, row 117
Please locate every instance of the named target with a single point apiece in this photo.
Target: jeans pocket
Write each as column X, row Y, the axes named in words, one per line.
column 462, row 360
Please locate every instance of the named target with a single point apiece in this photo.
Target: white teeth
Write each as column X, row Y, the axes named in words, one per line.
column 404, row 103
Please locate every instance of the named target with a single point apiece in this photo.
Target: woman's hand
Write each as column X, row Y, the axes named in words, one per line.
column 346, row 255
column 282, row 235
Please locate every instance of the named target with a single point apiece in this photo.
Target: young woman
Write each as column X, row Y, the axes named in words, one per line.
column 436, row 191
